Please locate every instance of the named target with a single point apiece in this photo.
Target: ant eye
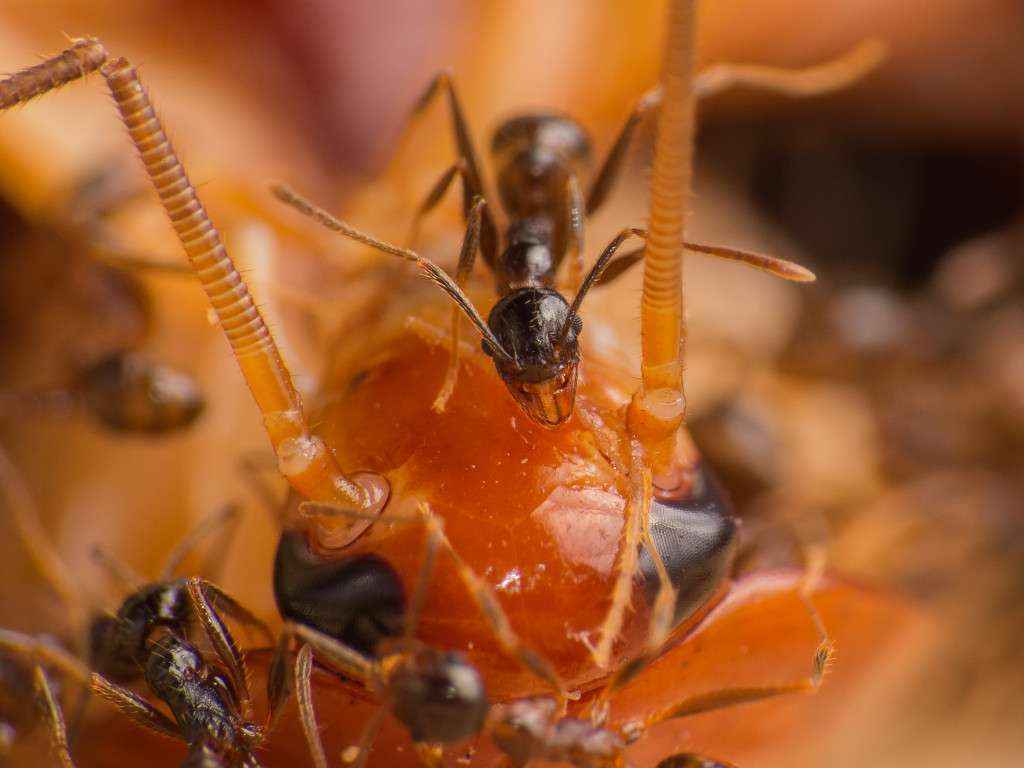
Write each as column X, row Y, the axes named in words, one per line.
column 440, row 697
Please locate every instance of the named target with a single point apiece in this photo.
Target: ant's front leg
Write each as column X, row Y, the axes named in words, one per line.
column 473, row 183
column 467, row 256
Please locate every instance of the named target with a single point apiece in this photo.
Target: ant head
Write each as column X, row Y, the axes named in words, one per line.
column 438, row 696
column 551, row 131
column 534, row 328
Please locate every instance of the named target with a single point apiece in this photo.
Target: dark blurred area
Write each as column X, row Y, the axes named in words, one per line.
column 884, row 405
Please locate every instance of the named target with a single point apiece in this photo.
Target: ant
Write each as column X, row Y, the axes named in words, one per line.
column 532, row 331
column 118, row 643
column 211, row 710
column 77, row 262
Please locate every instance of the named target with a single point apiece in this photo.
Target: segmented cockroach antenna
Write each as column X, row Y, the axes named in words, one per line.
column 303, row 458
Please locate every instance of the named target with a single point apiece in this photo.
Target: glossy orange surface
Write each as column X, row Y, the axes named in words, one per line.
column 536, row 512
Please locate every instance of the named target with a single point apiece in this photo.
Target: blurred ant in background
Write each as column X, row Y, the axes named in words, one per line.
column 74, row 278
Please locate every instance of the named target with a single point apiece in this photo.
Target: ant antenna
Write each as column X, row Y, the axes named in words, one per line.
column 595, row 273
column 437, row 275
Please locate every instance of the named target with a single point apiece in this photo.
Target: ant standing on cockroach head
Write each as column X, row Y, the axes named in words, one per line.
column 118, row 645
column 532, row 332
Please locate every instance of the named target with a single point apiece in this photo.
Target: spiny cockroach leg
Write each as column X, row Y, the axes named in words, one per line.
column 303, row 458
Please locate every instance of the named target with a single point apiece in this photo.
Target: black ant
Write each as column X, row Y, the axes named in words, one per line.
column 532, row 331
column 211, row 710
column 118, row 644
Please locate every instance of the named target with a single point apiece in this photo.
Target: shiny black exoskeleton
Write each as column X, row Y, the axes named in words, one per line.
column 204, row 704
column 538, row 159
column 357, row 600
column 696, row 538
column 117, row 644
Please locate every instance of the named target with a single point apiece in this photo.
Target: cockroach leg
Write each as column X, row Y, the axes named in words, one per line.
column 303, row 458
column 815, row 80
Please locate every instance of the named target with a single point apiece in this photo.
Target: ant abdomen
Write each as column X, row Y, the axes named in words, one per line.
column 130, row 394
column 358, row 600
column 696, row 539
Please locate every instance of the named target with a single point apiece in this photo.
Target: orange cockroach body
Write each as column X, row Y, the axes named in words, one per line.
column 541, row 560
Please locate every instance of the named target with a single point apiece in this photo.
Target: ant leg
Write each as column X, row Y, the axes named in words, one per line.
column 305, row 461
column 815, row 80
column 473, row 185
column 434, row 197
column 491, row 608
column 307, row 713
column 206, row 527
column 41, row 551
column 134, row 707
column 127, row 579
column 730, row 697
column 54, row 716
column 360, row 753
column 612, row 165
column 572, row 224
column 279, row 678
column 47, row 655
column 478, row 589
column 628, row 560
column 221, row 640
column 234, row 610
column 467, row 256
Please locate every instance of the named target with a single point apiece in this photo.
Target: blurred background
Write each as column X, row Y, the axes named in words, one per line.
column 885, row 402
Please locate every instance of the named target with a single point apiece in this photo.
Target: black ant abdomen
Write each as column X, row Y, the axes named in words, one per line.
column 130, row 394
column 358, row 600
column 696, row 539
